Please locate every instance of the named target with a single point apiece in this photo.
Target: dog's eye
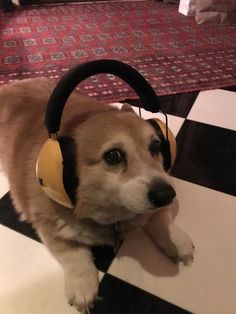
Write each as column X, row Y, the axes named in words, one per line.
column 113, row 156
column 155, row 147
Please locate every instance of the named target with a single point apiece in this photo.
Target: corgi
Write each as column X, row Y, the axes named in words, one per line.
column 122, row 181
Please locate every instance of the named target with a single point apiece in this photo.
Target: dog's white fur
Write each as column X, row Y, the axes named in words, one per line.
column 106, row 194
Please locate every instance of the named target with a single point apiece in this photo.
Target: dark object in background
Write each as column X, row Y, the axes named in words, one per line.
column 8, row 5
column 171, row 1
column 216, row 11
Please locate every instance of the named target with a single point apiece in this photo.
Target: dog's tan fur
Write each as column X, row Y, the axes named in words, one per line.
column 105, row 195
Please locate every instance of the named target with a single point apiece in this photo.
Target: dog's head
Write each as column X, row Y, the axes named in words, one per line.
column 120, row 168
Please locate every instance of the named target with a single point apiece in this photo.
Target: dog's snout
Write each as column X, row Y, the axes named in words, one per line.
column 161, row 194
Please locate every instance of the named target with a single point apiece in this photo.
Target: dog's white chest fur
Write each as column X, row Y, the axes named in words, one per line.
column 87, row 231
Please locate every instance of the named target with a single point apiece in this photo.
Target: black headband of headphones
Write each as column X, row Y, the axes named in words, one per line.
column 81, row 72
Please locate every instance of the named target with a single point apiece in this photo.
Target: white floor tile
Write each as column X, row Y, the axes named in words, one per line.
column 174, row 122
column 215, row 107
column 209, row 285
column 31, row 280
column 4, row 186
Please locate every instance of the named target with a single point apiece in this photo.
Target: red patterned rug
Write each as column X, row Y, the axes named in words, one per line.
column 174, row 53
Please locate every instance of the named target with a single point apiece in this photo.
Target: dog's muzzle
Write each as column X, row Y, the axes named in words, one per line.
column 161, row 193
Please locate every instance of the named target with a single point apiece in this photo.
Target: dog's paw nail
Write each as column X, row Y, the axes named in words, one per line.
column 188, row 260
column 175, row 260
column 91, row 306
column 99, row 298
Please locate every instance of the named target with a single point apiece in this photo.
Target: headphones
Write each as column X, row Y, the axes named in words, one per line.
column 56, row 162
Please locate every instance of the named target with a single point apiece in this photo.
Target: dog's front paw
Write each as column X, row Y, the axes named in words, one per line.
column 81, row 290
column 179, row 246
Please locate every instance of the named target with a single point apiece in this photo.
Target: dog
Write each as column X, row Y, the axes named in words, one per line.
column 122, row 181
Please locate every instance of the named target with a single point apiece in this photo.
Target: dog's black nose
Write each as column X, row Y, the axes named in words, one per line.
column 161, row 193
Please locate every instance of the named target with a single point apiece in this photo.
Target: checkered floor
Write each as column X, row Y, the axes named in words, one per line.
column 140, row 279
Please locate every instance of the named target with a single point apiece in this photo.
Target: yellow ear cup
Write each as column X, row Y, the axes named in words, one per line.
column 171, row 138
column 49, row 171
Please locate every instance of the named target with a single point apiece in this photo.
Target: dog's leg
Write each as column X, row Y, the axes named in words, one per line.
column 169, row 237
column 81, row 275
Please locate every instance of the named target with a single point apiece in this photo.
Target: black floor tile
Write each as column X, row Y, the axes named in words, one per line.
column 103, row 257
column 206, row 156
column 10, row 219
column 120, row 297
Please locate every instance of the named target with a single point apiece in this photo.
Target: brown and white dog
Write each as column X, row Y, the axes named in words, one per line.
column 121, row 175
